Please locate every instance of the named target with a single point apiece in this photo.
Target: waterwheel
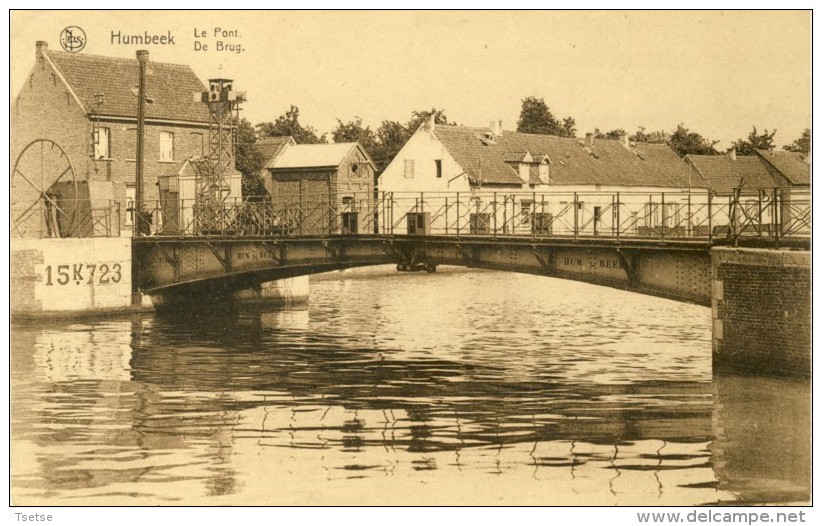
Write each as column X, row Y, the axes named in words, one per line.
column 44, row 191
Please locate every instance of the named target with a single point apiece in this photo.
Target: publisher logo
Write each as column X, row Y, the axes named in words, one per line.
column 73, row 39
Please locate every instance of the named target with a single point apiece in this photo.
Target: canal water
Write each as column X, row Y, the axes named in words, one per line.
column 457, row 387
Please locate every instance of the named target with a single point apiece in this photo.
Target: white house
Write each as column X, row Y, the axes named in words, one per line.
column 515, row 182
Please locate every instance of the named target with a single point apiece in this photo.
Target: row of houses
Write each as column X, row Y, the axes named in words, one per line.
column 446, row 177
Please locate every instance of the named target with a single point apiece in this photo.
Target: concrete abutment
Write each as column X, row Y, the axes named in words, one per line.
column 761, row 311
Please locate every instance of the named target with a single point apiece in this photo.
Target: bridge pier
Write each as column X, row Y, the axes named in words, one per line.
column 761, row 311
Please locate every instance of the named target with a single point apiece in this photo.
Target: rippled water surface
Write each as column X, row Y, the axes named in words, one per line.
column 449, row 388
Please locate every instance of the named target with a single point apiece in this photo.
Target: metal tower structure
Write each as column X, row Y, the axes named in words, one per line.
column 212, row 186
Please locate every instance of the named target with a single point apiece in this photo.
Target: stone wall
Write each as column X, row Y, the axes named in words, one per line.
column 70, row 276
column 761, row 302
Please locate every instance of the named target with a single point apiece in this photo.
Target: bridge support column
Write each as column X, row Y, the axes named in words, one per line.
column 761, row 311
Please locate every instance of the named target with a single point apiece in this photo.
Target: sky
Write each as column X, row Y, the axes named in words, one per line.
column 719, row 73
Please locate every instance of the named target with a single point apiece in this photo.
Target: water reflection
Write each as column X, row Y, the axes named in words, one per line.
column 395, row 397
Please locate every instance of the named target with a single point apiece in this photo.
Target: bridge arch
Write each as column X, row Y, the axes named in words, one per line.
column 179, row 269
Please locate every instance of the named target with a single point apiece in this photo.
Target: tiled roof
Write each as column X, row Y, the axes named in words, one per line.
column 607, row 162
column 793, row 165
column 312, row 156
column 271, row 146
column 514, row 156
column 482, row 161
column 723, row 174
column 170, row 86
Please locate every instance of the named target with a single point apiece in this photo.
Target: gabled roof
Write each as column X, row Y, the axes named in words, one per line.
column 170, row 86
column 794, row 166
column 270, row 147
column 723, row 174
column 606, row 162
column 314, row 156
column 193, row 167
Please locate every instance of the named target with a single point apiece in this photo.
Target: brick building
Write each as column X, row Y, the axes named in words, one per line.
column 332, row 185
column 87, row 105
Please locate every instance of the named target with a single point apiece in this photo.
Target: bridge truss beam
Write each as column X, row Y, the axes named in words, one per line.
column 183, row 267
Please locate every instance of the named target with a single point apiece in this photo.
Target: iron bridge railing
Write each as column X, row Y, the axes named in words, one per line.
column 768, row 214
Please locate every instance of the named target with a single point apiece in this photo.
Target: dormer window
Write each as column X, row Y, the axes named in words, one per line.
column 543, row 172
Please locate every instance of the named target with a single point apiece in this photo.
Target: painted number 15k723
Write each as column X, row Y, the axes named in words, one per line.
column 88, row 273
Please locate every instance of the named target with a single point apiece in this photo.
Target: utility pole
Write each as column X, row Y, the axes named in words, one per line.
column 142, row 60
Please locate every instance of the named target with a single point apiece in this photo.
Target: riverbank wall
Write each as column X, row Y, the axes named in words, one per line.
column 761, row 311
column 88, row 277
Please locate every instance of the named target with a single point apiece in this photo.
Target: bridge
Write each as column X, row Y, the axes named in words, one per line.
column 652, row 243
column 737, row 254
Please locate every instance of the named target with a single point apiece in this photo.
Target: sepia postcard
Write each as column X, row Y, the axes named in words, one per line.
column 411, row 258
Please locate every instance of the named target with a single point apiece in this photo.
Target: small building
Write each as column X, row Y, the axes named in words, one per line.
column 726, row 173
column 521, row 182
column 87, row 105
column 791, row 169
column 322, row 187
column 752, row 182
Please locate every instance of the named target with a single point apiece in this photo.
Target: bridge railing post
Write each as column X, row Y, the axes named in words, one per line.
column 689, row 225
column 576, row 216
column 664, row 216
column 458, row 214
column 618, row 216
column 710, row 217
column 494, row 210
column 778, row 216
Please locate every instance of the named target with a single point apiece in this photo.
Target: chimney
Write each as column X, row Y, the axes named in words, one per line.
column 42, row 46
column 142, row 56
column 589, row 140
column 496, row 128
column 732, row 154
column 430, row 123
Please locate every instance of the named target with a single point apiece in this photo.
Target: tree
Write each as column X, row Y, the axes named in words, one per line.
column 569, row 127
column 755, row 141
column 289, row 124
column 248, row 160
column 684, row 142
column 656, row 137
column 391, row 137
column 353, row 131
column 613, row 134
column 420, row 117
column 536, row 117
column 802, row 144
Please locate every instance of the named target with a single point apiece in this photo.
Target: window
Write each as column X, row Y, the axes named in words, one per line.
column 409, row 168
column 198, row 138
column 166, row 146
column 355, row 168
column 597, row 218
column 438, row 163
column 525, row 212
column 652, row 214
column 543, row 172
column 671, row 214
column 130, row 146
column 102, row 143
